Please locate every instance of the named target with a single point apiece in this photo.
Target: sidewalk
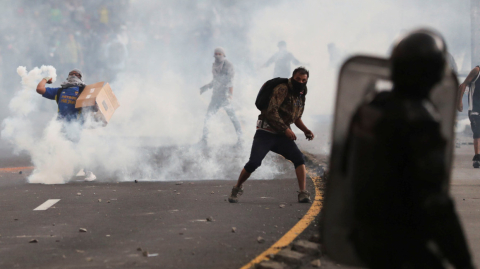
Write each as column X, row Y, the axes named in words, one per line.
column 465, row 189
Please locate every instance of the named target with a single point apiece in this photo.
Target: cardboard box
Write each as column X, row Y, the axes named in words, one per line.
column 100, row 98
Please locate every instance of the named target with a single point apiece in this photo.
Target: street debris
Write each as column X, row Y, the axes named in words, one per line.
column 234, row 229
column 282, row 206
column 79, row 194
column 89, row 259
column 152, row 255
column 316, row 263
column 139, row 249
column 82, row 230
column 80, row 251
column 136, row 181
column 99, row 200
column 210, row 219
column 33, row 241
column 20, row 172
column 179, row 183
column 213, row 192
column 145, row 253
column 260, row 240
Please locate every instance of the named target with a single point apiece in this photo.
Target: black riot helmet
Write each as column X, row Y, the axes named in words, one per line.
column 418, row 62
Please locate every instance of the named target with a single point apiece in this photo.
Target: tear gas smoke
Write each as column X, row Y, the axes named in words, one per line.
column 164, row 54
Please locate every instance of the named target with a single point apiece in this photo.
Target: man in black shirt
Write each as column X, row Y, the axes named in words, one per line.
column 473, row 83
column 396, row 157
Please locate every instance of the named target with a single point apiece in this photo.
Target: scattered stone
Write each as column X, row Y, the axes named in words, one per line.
column 20, row 172
column 108, row 201
column 80, row 251
column 136, row 181
column 193, row 253
column 152, row 255
column 33, row 241
column 82, row 230
column 178, row 193
column 306, row 247
column 99, row 200
column 282, row 206
column 139, row 249
column 57, row 241
column 53, row 224
column 210, row 219
column 316, row 263
column 234, row 229
column 15, row 219
column 289, row 257
column 213, row 192
column 114, row 190
column 180, row 233
column 179, row 183
column 260, row 240
column 79, row 194
column 271, row 265
column 89, row 259
column 107, row 235
column 145, row 253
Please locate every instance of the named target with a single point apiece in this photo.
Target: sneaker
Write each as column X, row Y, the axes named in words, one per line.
column 476, row 161
column 89, row 176
column 235, row 193
column 304, row 197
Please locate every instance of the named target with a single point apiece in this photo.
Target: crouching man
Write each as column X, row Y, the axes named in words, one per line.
column 66, row 96
column 285, row 107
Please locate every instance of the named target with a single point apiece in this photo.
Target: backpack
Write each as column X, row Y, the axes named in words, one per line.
column 265, row 93
column 57, row 98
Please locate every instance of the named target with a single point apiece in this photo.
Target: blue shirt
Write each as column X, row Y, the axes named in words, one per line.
column 66, row 102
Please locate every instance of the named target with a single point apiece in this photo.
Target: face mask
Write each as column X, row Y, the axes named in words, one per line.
column 219, row 58
column 297, row 86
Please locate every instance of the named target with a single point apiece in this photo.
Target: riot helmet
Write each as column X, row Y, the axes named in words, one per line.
column 418, row 62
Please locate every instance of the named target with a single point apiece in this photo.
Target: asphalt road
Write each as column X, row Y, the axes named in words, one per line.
column 163, row 218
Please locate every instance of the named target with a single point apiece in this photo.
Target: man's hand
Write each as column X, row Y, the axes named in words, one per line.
column 290, row 134
column 309, row 135
column 203, row 89
column 48, row 80
column 460, row 106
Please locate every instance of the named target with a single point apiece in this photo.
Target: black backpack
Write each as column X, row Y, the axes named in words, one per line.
column 265, row 93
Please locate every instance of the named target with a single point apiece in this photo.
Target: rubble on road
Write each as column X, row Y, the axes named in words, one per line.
column 210, row 219
column 33, row 241
column 234, row 229
column 82, row 230
column 260, row 240
column 316, row 263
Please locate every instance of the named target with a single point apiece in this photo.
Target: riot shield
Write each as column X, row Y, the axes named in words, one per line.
column 360, row 79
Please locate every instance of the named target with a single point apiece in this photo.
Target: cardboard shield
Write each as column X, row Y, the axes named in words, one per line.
column 360, row 79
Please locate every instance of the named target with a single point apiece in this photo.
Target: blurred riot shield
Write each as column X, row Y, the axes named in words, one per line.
column 360, row 79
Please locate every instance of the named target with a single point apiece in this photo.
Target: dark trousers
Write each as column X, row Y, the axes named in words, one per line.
column 263, row 142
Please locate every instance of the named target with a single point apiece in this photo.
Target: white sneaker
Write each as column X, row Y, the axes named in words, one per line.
column 89, row 176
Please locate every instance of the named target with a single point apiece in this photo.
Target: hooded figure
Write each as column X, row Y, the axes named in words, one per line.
column 395, row 157
column 222, row 85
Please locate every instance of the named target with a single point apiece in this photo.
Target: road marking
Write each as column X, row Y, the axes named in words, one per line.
column 47, row 204
column 296, row 230
column 15, row 169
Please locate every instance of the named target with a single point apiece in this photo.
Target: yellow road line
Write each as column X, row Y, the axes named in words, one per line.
column 296, row 230
column 15, row 169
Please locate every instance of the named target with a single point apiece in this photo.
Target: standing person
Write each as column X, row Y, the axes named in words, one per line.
column 66, row 96
column 222, row 85
column 403, row 215
column 283, row 60
column 286, row 106
column 473, row 83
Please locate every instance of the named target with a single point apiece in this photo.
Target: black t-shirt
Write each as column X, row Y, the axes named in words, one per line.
column 474, row 95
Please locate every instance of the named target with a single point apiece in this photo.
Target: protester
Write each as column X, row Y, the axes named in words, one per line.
column 222, row 85
column 473, row 83
column 396, row 157
column 285, row 107
column 283, row 60
column 66, row 96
